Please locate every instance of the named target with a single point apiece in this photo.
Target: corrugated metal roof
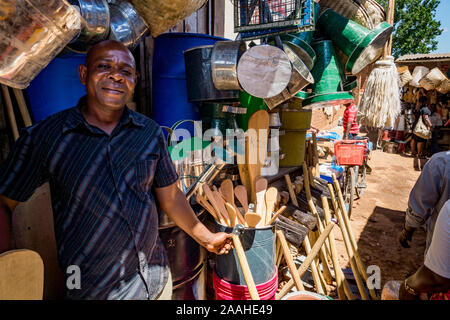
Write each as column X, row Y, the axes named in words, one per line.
column 429, row 56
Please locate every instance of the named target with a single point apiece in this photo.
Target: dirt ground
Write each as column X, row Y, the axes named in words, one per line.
column 378, row 217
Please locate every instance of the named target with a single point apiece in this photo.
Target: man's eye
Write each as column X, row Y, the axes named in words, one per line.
column 103, row 66
column 127, row 72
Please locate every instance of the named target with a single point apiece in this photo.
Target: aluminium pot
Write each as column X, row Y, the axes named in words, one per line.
column 95, row 20
column 224, row 60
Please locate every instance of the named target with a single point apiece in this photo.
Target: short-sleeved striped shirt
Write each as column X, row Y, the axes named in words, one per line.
column 105, row 216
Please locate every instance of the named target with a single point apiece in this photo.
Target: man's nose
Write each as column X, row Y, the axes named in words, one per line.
column 116, row 75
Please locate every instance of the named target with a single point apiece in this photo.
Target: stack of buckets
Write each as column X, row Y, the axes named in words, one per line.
column 259, row 248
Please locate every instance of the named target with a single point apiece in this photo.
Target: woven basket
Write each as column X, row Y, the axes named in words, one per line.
column 432, row 79
column 444, row 87
column 367, row 13
column 348, row 9
column 418, row 73
column 405, row 75
column 374, row 10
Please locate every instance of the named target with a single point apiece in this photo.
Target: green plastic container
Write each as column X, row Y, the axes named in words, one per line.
column 252, row 104
column 361, row 45
column 294, row 119
column 327, row 90
column 292, row 143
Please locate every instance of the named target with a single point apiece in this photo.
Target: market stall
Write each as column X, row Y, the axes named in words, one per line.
column 425, row 75
column 237, row 117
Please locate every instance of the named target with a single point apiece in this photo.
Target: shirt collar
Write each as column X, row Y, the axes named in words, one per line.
column 75, row 118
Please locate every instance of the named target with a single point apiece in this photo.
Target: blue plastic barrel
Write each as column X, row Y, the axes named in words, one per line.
column 170, row 100
column 57, row 87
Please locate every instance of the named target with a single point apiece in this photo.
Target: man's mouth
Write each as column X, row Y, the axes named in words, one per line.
column 113, row 90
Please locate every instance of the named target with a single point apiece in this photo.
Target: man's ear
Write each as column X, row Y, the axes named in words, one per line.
column 82, row 73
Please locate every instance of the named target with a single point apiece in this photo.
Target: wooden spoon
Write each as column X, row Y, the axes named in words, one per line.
column 241, row 194
column 260, row 189
column 204, row 203
column 252, row 219
column 226, row 188
column 221, row 206
column 257, row 146
column 210, row 196
column 271, row 199
column 231, row 213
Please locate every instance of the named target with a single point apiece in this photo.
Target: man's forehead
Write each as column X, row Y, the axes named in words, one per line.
column 111, row 53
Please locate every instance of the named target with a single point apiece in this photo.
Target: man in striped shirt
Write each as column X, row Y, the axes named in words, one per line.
column 107, row 167
column 351, row 127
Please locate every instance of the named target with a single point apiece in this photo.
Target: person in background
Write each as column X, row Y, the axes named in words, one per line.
column 351, row 127
column 108, row 168
column 418, row 143
column 433, row 277
column 427, row 197
column 436, row 122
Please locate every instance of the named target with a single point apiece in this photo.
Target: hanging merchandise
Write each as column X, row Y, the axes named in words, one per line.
column 161, row 15
column 362, row 46
column 380, row 103
column 127, row 26
column 95, row 21
column 418, row 73
column 300, row 78
column 366, row 13
column 405, row 75
column 224, row 60
column 200, row 86
column 432, row 79
column 300, row 42
column 32, row 35
column 327, row 89
column 264, row 71
column 444, row 87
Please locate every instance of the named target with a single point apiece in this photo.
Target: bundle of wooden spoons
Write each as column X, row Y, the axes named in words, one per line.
column 220, row 203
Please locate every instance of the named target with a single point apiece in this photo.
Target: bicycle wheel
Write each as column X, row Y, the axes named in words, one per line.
column 349, row 189
column 361, row 181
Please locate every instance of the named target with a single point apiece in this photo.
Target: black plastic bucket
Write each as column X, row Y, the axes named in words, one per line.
column 259, row 248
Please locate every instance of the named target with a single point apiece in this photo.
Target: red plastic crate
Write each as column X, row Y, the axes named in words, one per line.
column 349, row 152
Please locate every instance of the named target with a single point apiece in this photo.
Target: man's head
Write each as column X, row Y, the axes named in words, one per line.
column 109, row 74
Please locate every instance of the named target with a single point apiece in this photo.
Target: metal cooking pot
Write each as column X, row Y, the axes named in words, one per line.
column 32, row 34
column 224, row 59
column 127, row 26
column 94, row 23
column 199, row 83
column 300, row 78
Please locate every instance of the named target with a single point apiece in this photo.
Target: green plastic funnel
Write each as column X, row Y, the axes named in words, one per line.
column 361, row 45
column 327, row 90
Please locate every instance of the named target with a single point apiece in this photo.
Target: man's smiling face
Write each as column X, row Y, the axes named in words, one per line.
column 109, row 75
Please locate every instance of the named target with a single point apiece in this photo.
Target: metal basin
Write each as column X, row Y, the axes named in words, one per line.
column 127, row 26
column 94, row 23
column 224, row 60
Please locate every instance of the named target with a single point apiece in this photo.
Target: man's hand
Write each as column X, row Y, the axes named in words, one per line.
column 405, row 236
column 405, row 295
column 219, row 243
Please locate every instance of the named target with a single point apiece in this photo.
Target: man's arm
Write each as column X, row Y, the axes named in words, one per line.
column 173, row 202
column 7, row 206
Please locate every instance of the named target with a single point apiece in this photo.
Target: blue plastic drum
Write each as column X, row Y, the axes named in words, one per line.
column 57, row 87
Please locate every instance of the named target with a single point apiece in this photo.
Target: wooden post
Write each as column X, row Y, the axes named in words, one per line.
column 390, row 20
